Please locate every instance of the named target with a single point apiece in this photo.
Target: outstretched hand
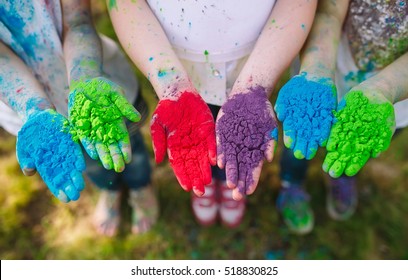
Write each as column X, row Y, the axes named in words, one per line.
column 246, row 134
column 305, row 107
column 364, row 125
column 45, row 145
column 185, row 129
column 96, row 110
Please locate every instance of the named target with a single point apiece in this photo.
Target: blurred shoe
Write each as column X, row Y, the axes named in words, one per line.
column 231, row 211
column 293, row 204
column 145, row 209
column 205, row 207
column 107, row 213
column 341, row 198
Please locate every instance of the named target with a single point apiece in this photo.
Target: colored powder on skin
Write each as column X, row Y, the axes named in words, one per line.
column 112, row 4
column 185, row 127
column 42, row 142
column 363, row 128
column 305, row 108
column 94, row 115
column 206, row 53
column 161, row 73
column 151, row 58
column 244, row 131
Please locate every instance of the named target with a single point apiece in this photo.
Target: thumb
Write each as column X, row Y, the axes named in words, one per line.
column 125, row 107
column 158, row 138
column 24, row 159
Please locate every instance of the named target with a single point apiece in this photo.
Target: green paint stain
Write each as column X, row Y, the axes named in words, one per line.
column 151, row 58
column 303, row 26
column 89, row 64
column 161, row 73
column 363, row 129
column 206, row 53
column 112, row 4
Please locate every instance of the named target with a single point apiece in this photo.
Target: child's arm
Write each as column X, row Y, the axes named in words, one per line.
column 144, row 40
column 248, row 112
column 306, row 102
column 182, row 123
column 96, row 105
column 19, row 89
column 366, row 120
column 43, row 144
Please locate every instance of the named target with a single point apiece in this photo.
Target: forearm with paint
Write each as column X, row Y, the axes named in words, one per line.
column 82, row 46
column 144, row 40
column 280, row 41
column 318, row 56
column 19, row 89
column 305, row 104
column 392, row 81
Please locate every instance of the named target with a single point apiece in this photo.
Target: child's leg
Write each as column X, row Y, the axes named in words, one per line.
column 218, row 197
column 137, row 176
column 293, row 201
column 106, row 216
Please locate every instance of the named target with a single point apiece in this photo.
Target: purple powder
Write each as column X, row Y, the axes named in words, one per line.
column 244, row 132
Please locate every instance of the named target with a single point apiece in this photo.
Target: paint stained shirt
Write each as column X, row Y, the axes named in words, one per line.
column 377, row 31
column 212, row 39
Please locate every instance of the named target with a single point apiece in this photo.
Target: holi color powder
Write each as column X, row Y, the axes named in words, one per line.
column 96, row 111
column 244, row 131
column 42, row 143
column 305, row 108
column 363, row 129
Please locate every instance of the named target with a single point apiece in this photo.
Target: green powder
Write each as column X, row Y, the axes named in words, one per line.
column 96, row 113
column 362, row 130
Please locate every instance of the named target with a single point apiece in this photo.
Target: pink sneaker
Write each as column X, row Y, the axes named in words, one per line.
column 205, row 207
column 231, row 211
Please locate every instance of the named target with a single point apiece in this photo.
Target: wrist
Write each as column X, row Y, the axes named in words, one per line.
column 37, row 106
column 319, row 74
column 174, row 88
column 250, row 88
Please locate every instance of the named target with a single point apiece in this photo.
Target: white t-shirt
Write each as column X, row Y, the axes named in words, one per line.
column 348, row 76
column 212, row 38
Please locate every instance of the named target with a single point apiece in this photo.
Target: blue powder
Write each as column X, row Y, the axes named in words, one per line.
column 306, row 109
column 42, row 144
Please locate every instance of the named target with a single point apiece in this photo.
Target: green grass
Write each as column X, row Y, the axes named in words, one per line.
column 34, row 225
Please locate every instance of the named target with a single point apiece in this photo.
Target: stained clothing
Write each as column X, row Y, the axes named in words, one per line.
column 213, row 39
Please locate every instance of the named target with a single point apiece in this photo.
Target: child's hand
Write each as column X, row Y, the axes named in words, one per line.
column 45, row 145
column 96, row 108
column 305, row 107
column 185, row 128
column 246, row 135
column 364, row 124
